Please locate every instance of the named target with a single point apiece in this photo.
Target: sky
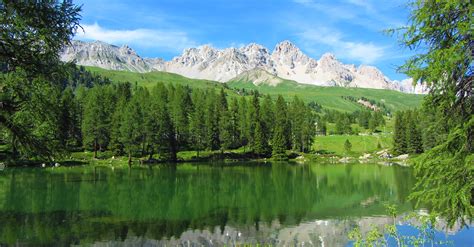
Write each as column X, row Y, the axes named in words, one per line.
column 353, row 30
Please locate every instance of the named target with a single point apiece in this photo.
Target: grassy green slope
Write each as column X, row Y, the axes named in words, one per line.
column 151, row 78
column 328, row 97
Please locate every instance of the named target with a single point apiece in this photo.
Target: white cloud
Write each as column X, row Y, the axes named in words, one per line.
column 166, row 40
column 367, row 53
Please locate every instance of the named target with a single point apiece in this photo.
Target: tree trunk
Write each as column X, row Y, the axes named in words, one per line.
column 130, row 158
column 14, row 149
column 151, row 154
column 95, row 148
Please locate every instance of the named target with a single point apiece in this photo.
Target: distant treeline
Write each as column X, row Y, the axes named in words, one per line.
column 364, row 118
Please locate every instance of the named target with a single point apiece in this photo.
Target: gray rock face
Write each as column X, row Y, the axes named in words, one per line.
column 205, row 62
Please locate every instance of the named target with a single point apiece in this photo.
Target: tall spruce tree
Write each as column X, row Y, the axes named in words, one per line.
column 131, row 129
column 197, row 125
column 399, row 134
column 281, row 140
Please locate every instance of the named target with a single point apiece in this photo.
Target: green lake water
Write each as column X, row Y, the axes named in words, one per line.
column 197, row 204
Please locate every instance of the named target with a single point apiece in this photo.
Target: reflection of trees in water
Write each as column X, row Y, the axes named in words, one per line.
column 79, row 205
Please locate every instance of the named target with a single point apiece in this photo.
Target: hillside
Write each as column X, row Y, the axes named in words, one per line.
column 332, row 97
column 328, row 97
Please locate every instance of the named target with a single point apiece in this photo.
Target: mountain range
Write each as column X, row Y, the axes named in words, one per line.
column 253, row 62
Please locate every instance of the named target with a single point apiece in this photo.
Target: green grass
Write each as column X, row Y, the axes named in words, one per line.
column 328, row 97
column 150, row 79
column 360, row 143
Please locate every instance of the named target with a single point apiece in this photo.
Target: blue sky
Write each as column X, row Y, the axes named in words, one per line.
column 351, row 29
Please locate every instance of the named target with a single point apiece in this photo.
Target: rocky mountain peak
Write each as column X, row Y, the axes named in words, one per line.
column 286, row 61
column 328, row 57
column 285, row 47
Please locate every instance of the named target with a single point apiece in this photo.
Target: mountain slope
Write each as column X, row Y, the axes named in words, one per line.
column 286, row 61
column 329, row 97
column 335, row 98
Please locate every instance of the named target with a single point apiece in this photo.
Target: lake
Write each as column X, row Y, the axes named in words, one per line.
column 202, row 205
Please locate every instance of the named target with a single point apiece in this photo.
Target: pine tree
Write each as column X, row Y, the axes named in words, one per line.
column 197, row 122
column 347, row 146
column 297, row 123
column 131, row 129
column 309, row 129
column 281, row 133
column 180, row 106
column 116, row 146
column 69, row 125
column 260, row 143
column 212, row 121
column 413, row 135
column 243, row 128
column 399, row 135
column 234, row 122
column 253, row 118
column 95, row 126
column 267, row 116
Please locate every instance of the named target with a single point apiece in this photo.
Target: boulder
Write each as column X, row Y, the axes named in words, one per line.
column 402, row 157
column 345, row 160
column 365, row 157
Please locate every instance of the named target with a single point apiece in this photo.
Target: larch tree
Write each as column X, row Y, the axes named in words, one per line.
column 440, row 32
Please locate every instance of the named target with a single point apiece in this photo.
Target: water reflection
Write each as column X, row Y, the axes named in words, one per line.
column 201, row 204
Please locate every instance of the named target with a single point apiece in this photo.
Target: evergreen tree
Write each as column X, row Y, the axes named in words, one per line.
column 253, row 118
column 95, row 126
column 260, row 143
column 234, row 119
column 197, row 125
column 399, row 135
column 281, row 132
column 413, row 135
column 69, row 126
column 297, row 122
column 180, row 108
column 347, row 146
column 267, row 116
column 308, row 129
column 131, row 129
column 243, row 126
column 212, row 121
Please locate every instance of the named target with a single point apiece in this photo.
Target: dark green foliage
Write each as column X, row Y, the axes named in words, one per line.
column 260, row 142
column 197, row 121
column 96, row 119
column 32, row 35
column 212, row 121
column 399, row 134
column 180, row 108
column 69, row 122
column 343, row 124
column 347, row 146
column 282, row 133
column 131, row 129
column 413, row 135
column 443, row 30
